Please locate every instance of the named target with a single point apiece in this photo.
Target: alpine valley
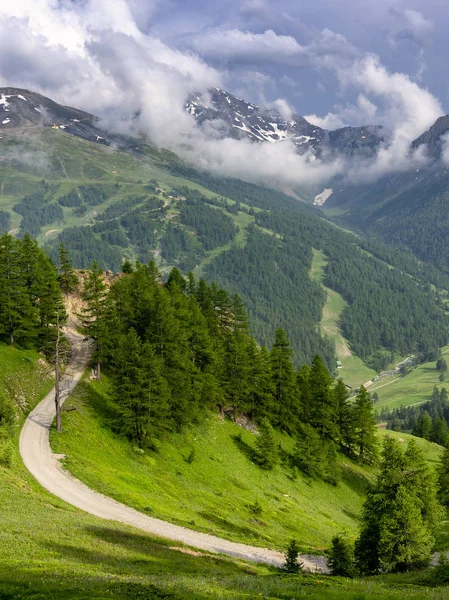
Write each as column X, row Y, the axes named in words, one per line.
column 347, row 297
column 249, row 392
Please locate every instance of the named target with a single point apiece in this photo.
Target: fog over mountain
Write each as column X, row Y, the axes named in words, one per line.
column 118, row 61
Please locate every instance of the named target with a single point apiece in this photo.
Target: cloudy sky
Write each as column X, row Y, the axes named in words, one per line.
column 337, row 62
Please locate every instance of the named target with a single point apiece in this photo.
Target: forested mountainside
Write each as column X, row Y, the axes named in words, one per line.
column 109, row 205
column 407, row 210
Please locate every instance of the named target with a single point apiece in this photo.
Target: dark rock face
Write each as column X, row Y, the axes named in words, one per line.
column 433, row 137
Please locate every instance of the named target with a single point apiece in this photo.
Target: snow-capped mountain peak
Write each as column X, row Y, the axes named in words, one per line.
column 238, row 118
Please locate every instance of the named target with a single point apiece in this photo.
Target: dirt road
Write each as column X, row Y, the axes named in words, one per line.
column 44, row 465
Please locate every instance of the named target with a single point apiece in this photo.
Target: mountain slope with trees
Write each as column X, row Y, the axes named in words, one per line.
column 110, row 205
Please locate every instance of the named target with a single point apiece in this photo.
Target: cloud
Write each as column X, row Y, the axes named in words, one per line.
column 408, row 108
column 329, row 121
column 244, row 46
column 283, row 107
column 98, row 55
column 363, row 112
column 417, row 26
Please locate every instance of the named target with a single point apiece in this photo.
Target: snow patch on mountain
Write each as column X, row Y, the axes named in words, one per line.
column 321, row 198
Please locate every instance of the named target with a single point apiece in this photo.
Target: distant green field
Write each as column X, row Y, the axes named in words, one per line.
column 354, row 372
column 414, row 388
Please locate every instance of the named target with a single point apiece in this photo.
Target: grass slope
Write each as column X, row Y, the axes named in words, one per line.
column 50, row 550
column 220, row 491
column 354, row 372
column 24, row 376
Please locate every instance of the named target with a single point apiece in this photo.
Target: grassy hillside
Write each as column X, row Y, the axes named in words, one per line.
column 50, row 550
column 24, row 376
column 204, row 480
column 413, row 388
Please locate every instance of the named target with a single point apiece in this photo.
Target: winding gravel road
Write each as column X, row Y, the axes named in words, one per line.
column 45, row 466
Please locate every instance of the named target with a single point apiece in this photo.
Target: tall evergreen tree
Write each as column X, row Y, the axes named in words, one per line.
column 18, row 317
column 286, row 396
column 266, row 446
column 399, row 514
column 345, row 417
column 443, row 479
column 140, row 391
column 94, row 314
column 341, row 557
column 323, row 409
column 365, row 427
column 68, row 279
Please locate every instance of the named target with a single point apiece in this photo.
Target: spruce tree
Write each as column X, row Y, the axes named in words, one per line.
column 267, row 453
column 68, row 279
column 443, row 479
column 323, row 409
column 365, row 427
column 286, row 397
column 94, row 314
column 341, row 557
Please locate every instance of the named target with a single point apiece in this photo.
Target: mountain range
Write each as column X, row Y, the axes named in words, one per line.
column 108, row 197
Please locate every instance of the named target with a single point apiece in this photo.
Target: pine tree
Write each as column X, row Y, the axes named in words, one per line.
column 127, row 267
column 267, row 452
column 420, row 481
column 443, row 479
column 94, row 315
column 18, row 317
column 365, row 427
column 341, row 557
column 423, row 426
column 287, row 405
column 309, row 452
column 404, row 542
column 323, row 410
column 68, row 279
column 399, row 515
column 140, row 391
column 292, row 564
column 260, row 387
column 345, row 419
